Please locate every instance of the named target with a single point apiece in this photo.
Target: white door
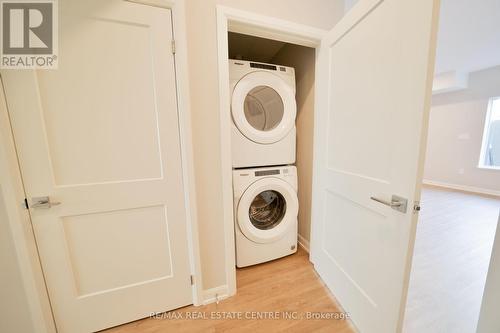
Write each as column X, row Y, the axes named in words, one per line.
column 375, row 73
column 100, row 136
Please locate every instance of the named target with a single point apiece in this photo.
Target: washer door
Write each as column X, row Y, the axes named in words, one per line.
column 267, row 209
column 263, row 107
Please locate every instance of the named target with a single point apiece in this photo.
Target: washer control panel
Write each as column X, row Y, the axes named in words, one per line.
column 267, row 173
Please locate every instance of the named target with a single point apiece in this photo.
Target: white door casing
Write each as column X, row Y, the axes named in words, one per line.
column 100, row 135
column 373, row 89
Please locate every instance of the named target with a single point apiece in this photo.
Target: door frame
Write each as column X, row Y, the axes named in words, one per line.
column 249, row 23
column 13, row 188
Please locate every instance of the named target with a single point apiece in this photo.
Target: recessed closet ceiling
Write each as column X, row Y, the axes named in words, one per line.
column 246, row 47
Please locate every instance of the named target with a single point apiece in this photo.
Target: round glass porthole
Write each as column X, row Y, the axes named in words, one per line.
column 267, row 210
column 263, row 108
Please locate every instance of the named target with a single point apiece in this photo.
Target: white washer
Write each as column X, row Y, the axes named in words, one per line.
column 265, row 209
column 263, row 110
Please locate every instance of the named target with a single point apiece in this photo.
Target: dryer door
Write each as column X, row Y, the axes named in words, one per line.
column 267, row 210
column 263, row 107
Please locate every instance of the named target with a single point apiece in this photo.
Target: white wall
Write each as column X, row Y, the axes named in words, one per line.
column 203, row 72
column 489, row 321
column 455, row 134
column 303, row 59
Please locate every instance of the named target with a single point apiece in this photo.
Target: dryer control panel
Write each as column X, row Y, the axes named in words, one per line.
column 259, row 65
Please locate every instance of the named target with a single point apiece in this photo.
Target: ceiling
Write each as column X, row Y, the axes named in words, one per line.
column 469, row 35
column 244, row 47
column 468, row 38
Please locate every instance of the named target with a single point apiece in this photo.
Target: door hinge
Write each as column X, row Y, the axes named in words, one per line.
column 191, row 279
column 173, row 46
column 416, row 207
column 26, row 203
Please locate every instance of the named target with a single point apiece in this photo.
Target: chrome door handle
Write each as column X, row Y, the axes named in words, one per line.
column 397, row 203
column 42, row 202
column 387, row 203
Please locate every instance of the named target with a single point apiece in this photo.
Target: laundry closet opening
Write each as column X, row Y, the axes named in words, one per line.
column 265, row 108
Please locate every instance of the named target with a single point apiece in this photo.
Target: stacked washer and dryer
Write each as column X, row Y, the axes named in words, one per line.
column 263, row 138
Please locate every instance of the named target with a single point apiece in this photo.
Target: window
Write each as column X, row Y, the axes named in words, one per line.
column 490, row 151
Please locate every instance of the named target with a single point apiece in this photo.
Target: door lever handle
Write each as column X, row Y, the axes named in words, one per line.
column 397, row 203
column 387, row 203
column 42, row 202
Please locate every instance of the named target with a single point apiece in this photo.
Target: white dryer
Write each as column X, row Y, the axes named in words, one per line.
column 263, row 110
column 265, row 209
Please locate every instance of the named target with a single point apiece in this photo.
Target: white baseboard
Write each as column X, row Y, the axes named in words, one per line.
column 215, row 294
column 304, row 243
column 462, row 187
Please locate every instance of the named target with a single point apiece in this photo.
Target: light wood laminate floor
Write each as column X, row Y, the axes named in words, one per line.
column 452, row 251
column 286, row 285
